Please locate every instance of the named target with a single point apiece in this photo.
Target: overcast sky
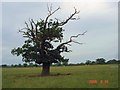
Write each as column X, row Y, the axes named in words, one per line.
column 99, row 19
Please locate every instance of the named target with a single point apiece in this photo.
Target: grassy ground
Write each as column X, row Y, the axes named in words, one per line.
column 79, row 78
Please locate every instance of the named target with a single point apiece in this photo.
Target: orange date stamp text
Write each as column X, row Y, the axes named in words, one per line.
column 98, row 81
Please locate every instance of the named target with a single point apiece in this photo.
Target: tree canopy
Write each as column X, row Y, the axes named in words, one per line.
column 39, row 36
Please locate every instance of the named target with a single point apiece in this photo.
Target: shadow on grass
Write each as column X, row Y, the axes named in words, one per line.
column 38, row 75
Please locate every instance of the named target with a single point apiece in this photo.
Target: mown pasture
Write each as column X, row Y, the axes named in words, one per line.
column 79, row 77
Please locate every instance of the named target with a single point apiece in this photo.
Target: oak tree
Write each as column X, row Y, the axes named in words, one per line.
column 40, row 35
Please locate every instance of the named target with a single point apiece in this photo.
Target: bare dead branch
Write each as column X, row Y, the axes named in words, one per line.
column 20, row 30
column 70, row 17
column 49, row 9
column 59, row 47
column 76, row 42
column 75, row 18
column 69, row 44
column 77, row 35
column 58, row 19
column 77, row 11
column 55, row 11
column 35, row 26
column 50, row 14
column 31, row 24
column 27, row 25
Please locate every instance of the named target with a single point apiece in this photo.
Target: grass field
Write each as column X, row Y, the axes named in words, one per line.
column 79, row 78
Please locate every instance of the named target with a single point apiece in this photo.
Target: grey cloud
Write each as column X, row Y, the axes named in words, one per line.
column 100, row 40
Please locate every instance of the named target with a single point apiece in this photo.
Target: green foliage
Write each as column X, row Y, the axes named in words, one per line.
column 112, row 61
column 38, row 46
column 40, row 36
column 88, row 62
column 100, row 61
column 25, row 65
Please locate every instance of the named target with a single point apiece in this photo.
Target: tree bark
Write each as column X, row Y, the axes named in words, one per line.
column 45, row 69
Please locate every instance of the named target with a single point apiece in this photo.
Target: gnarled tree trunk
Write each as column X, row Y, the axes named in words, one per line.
column 45, row 69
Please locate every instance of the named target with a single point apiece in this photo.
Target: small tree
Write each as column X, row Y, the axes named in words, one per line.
column 35, row 65
column 40, row 36
column 31, row 64
column 112, row 61
column 4, row 65
column 93, row 62
column 118, row 61
column 19, row 65
column 25, row 65
column 88, row 62
column 65, row 62
column 100, row 61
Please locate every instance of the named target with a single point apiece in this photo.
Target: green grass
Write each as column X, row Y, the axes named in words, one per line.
column 79, row 78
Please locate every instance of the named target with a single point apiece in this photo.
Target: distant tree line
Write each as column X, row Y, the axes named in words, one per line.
column 22, row 65
column 65, row 63
column 101, row 61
